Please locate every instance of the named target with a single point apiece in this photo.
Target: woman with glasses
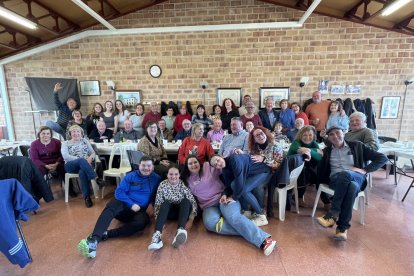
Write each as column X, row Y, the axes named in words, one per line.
column 150, row 145
column 250, row 116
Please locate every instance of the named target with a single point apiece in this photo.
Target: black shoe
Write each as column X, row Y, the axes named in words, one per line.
column 104, row 236
column 88, row 202
column 101, row 183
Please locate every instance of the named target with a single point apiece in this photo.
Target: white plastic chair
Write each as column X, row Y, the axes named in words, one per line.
column 360, row 199
column 68, row 176
column 282, row 192
column 124, row 166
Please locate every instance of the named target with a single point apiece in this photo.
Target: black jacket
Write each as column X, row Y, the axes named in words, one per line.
column 265, row 119
column 24, row 170
column 361, row 153
column 370, row 114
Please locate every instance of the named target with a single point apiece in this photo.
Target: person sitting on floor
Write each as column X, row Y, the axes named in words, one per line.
column 128, row 133
column 344, row 167
column 100, row 133
column 132, row 205
column 174, row 200
column 238, row 170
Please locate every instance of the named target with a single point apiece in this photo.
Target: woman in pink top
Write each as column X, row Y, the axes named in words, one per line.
column 221, row 216
column 299, row 113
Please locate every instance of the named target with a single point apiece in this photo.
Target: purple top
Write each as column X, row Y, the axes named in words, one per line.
column 217, row 136
column 207, row 188
column 43, row 155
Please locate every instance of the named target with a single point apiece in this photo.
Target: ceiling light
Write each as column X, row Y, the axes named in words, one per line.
column 394, row 6
column 17, row 18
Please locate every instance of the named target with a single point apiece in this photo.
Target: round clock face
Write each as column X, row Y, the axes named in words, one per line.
column 155, row 71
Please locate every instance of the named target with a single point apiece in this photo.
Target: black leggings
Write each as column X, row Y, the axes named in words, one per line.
column 133, row 221
column 170, row 210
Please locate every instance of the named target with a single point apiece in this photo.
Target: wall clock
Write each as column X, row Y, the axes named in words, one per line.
column 155, row 71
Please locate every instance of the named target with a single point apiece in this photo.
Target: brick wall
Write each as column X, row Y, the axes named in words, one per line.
column 324, row 49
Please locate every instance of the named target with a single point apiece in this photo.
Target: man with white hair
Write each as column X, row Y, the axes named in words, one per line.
column 129, row 133
column 291, row 134
column 360, row 132
column 185, row 132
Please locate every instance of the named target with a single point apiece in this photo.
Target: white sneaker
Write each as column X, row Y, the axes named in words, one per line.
column 156, row 242
column 248, row 214
column 180, row 238
column 260, row 220
column 269, row 246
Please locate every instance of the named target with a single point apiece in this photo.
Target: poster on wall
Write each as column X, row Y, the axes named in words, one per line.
column 275, row 93
column 323, row 86
column 353, row 89
column 389, row 107
column 338, row 89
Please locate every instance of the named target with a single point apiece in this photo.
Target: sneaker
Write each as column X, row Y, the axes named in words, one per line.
column 269, row 246
column 247, row 214
column 341, row 235
column 260, row 219
column 156, row 242
column 326, row 221
column 87, row 247
column 88, row 202
column 180, row 238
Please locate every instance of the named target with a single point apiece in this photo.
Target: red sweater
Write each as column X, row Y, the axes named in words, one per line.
column 150, row 117
column 178, row 123
column 303, row 116
column 205, row 151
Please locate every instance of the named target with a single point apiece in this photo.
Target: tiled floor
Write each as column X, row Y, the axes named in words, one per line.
column 383, row 246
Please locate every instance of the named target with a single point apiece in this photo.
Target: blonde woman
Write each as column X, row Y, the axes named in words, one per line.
column 196, row 145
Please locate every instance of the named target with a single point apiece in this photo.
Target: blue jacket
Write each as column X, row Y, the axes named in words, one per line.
column 287, row 118
column 182, row 134
column 138, row 189
column 15, row 200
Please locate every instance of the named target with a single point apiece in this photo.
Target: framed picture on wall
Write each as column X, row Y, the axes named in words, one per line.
column 231, row 93
column 389, row 107
column 353, row 89
column 129, row 98
column 275, row 93
column 90, row 88
column 338, row 89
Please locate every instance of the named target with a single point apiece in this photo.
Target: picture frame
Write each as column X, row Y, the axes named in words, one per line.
column 90, row 88
column 276, row 93
column 353, row 89
column 390, row 107
column 129, row 98
column 231, row 93
column 338, row 89
column 323, row 86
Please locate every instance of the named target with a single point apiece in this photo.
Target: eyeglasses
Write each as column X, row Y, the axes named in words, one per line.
column 260, row 134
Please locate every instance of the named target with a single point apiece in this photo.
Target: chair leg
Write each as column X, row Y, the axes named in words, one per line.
column 318, row 195
column 282, row 194
column 362, row 209
column 295, row 190
column 66, row 188
column 95, row 188
column 409, row 188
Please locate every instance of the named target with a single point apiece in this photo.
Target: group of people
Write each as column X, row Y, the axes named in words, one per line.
column 229, row 186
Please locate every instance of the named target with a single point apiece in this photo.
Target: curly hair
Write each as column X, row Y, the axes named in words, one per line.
column 253, row 146
column 223, row 106
column 305, row 129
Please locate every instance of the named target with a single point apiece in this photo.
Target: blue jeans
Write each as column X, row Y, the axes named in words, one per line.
column 347, row 185
column 85, row 171
column 253, row 192
column 234, row 223
column 56, row 128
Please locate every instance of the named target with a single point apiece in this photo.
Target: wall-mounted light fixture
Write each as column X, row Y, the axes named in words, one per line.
column 110, row 84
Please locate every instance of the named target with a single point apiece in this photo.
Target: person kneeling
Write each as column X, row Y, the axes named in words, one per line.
column 131, row 205
column 174, row 200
